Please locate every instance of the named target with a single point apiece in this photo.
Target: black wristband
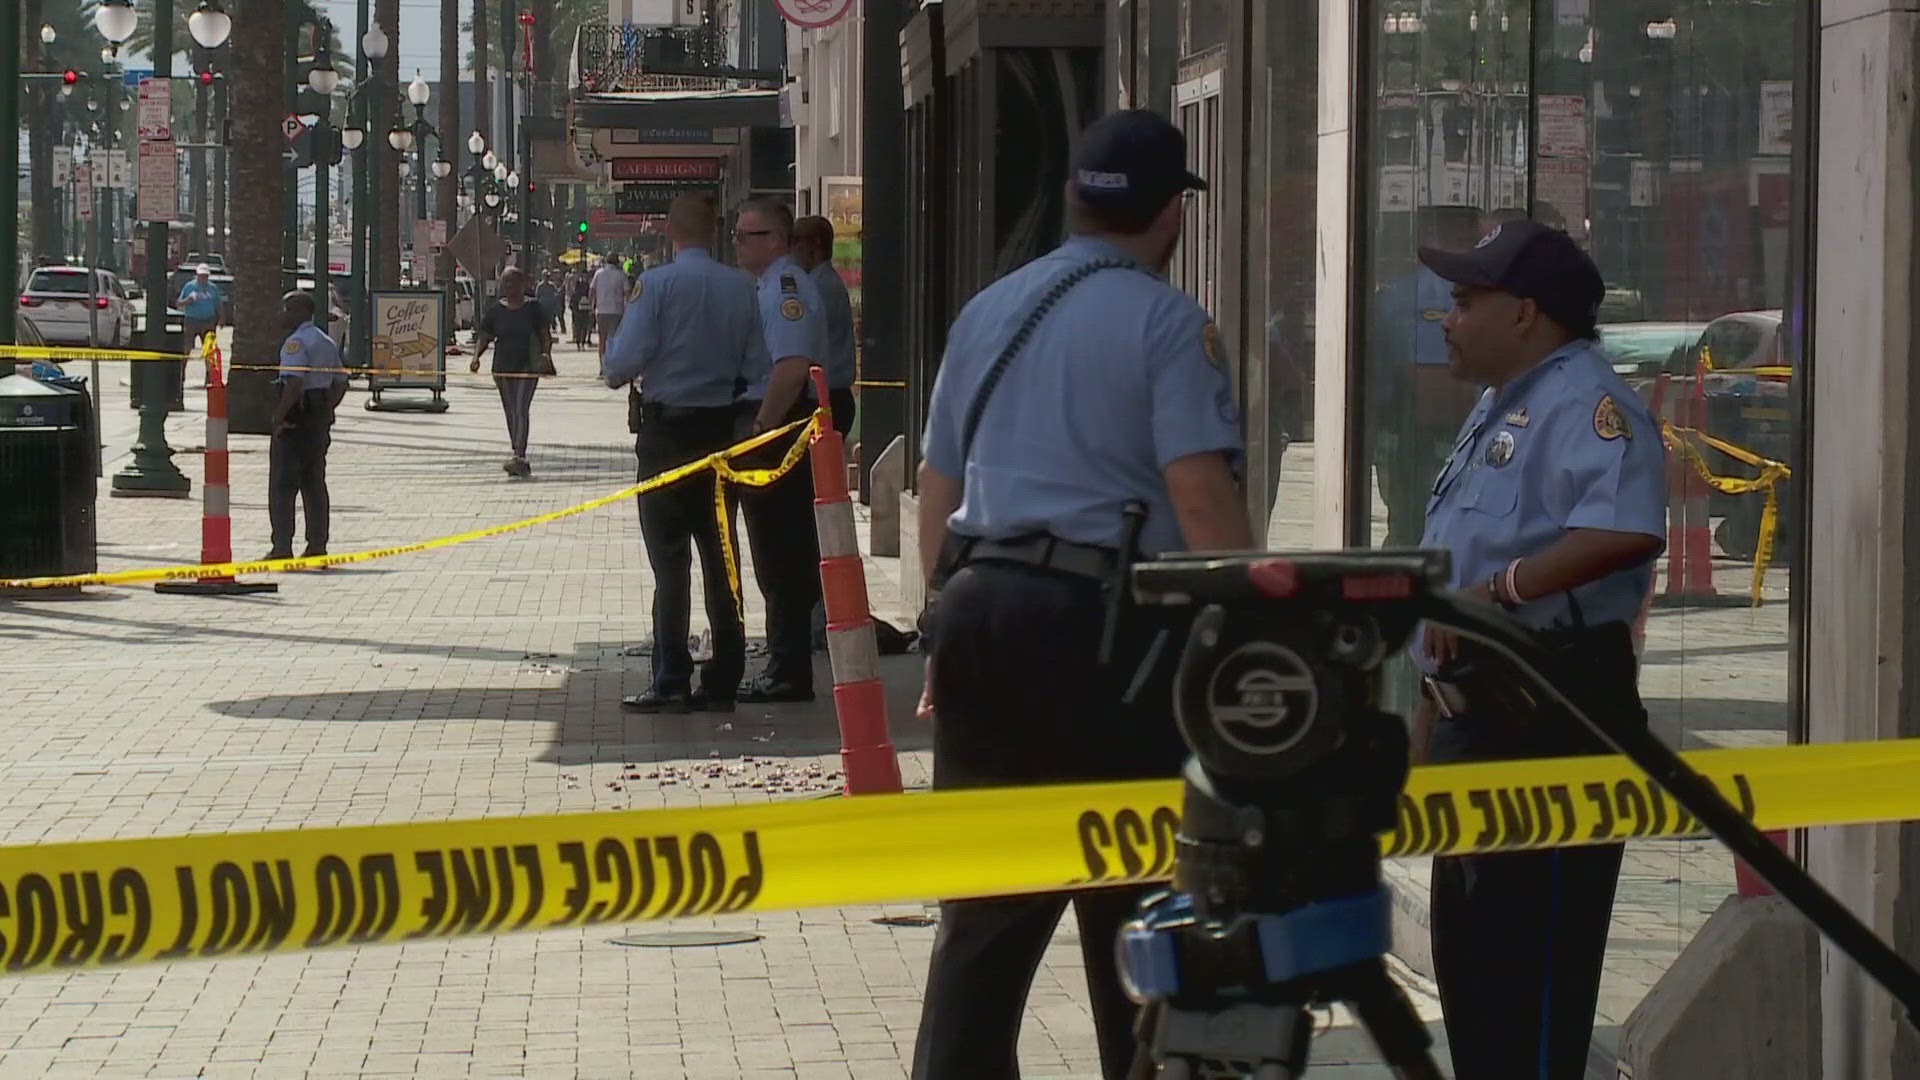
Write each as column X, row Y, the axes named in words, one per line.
column 927, row 623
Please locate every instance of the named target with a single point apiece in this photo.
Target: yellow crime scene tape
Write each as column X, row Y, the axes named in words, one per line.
column 1771, row 473
column 117, row 902
column 718, row 461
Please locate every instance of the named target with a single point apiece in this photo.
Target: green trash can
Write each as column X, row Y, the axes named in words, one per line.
column 47, row 486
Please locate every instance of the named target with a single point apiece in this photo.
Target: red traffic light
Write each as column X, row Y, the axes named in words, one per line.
column 206, row 78
column 530, row 187
column 69, row 76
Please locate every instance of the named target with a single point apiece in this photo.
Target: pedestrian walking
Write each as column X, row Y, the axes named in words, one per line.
column 779, row 516
column 1553, row 505
column 552, row 303
column 813, row 250
column 609, row 289
column 580, row 299
column 312, row 383
column 199, row 303
column 691, row 332
column 522, row 342
column 1096, row 387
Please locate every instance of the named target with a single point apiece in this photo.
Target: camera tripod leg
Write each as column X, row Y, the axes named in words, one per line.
column 1391, row 1021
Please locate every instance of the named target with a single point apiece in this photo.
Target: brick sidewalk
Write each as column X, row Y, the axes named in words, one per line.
column 478, row 680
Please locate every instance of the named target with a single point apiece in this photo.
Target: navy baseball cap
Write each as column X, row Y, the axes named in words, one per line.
column 1533, row 262
column 1132, row 162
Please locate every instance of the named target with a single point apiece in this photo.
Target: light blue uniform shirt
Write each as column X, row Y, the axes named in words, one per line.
column 1121, row 379
column 842, row 369
column 692, row 329
column 1407, row 317
column 793, row 320
column 310, row 347
column 1566, row 446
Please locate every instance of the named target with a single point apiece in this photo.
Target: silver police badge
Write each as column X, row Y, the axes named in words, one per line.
column 1500, row 450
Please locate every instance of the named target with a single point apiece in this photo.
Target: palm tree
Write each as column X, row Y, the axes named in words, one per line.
column 386, row 261
column 259, row 60
column 451, row 137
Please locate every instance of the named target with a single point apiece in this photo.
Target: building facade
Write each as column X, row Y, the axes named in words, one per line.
column 1741, row 171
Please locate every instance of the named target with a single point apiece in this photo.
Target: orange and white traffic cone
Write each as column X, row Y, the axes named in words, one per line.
column 216, row 524
column 1689, row 528
column 859, row 697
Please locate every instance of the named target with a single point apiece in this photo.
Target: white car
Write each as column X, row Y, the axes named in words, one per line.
column 70, row 312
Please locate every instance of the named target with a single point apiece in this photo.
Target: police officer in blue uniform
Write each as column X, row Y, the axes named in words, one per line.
column 813, row 250
column 786, row 552
column 312, row 384
column 690, row 332
column 1098, row 391
column 1553, row 504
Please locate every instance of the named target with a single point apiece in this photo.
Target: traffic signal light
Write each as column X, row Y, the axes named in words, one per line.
column 206, row 78
column 583, row 230
column 530, row 187
column 69, row 77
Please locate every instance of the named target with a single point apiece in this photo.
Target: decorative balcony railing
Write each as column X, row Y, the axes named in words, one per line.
column 608, row 59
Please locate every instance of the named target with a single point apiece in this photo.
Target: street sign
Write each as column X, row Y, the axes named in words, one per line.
column 813, row 14
column 701, row 168
column 83, row 192
column 652, row 198
column 159, row 192
column 117, row 173
column 131, row 77
column 62, row 165
column 291, row 127
column 156, row 109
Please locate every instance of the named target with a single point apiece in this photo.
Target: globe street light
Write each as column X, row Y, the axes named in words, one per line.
column 500, row 171
column 476, row 144
column 47, row 34
column 115, row 19
column 489, row 160
column 400, row 139
column 374, row 43
column 513, row 179
column 322, row 78
column 210, row 24
column 418, row 91
column 351, row 137
column 406, row 168
column 442, row 168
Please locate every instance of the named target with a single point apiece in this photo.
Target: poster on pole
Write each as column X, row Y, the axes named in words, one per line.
column 62, row 165
column 409, row 340
column 117, row 171
column 159, row 193
column 156, row 109
column 83, row 191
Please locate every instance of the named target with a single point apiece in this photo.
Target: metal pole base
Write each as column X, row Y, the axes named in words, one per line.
column 147, row 487
column 215, row 587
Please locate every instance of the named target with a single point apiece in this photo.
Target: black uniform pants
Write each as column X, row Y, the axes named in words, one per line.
column 841, row 402
column 673, row 521
column 297, row 467
column 786, row 557
column 1519, row 939
column 1019, row 698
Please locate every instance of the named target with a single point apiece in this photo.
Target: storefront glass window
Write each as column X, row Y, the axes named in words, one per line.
column 1291, row 85
column 1663, row 138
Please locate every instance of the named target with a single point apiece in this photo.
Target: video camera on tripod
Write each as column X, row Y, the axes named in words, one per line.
column 1277, row 906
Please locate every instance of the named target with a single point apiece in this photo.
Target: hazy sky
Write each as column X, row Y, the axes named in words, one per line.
column 419, row 33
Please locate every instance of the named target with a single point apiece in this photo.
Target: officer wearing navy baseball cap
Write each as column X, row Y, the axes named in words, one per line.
column 1553, row 506
column 1112, row 408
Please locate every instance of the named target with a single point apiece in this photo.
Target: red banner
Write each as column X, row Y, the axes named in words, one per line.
column 702, row 168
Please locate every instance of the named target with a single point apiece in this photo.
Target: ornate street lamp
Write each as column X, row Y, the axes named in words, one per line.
column 210, row 24
column 115, row 19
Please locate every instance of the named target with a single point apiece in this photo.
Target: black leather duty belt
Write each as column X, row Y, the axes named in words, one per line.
column 1046, row 553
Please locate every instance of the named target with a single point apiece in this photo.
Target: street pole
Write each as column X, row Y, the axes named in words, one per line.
column 151, row 472
column 322, row 142
column 509, row 142
column 363, row 168
column 10, row 172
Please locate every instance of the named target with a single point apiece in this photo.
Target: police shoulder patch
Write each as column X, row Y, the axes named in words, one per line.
column 1607, row 421
column 292, row 346
column 791, row 310
column 1210, row 343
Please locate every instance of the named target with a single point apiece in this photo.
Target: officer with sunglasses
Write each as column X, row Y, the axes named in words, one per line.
column 1553, row 505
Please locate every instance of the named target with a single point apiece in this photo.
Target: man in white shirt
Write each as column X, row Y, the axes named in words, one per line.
column 609, row 291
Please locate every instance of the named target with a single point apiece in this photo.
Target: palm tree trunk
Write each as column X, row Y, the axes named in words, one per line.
column 222, row 158
column 387, row 259
column 452, row 139
column 482, row 91
column 197, row 180
column 259, row 45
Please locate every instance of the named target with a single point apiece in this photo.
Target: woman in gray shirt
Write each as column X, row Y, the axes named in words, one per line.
column 522, row 342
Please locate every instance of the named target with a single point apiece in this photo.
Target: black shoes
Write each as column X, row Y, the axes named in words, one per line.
column 768, row 690
column 675, row 702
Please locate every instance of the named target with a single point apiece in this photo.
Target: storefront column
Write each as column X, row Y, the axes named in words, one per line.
column 1863, row 555
column 1339, row 189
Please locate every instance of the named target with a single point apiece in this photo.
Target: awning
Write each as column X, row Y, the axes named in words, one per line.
column 742, row 108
